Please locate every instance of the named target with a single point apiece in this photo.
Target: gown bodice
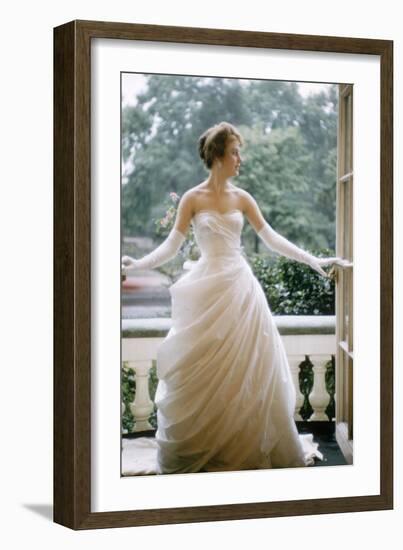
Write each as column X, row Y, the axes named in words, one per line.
column 218, row 234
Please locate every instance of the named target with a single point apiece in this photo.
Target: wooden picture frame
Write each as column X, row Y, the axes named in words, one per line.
column 72, row 274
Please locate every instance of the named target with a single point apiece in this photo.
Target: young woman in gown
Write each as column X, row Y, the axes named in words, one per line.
column 225, row 397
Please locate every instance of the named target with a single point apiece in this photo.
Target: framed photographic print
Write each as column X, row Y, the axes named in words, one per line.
column 194, row 377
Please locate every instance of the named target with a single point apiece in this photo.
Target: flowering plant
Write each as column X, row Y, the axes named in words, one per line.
column 164, row 225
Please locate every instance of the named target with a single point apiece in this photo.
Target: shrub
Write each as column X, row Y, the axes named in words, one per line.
column 293, row 288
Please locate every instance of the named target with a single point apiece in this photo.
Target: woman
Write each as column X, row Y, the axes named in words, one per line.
column 225, row 397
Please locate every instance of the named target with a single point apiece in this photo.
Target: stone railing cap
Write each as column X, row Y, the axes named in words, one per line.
column 286, row 324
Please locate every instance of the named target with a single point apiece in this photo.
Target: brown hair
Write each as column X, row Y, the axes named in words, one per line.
column 213, row 141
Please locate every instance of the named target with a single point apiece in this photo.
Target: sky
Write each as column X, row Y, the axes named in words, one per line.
column 133, row 83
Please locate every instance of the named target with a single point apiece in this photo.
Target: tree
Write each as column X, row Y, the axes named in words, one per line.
column 290, row 151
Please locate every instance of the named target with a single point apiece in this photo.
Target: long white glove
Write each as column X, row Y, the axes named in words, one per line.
column 280, row 244
column 167, row 250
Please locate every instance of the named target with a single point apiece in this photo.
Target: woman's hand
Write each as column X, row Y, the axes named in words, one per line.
column 337, row 261
column 317, row 264
column 314, row 263
column 128, row 263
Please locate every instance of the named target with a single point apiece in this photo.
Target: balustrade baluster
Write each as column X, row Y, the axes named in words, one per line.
column 142, row 406
column 294, row 362
column 319, row 397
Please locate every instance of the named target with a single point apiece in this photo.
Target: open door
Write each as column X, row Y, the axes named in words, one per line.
column 344, row 275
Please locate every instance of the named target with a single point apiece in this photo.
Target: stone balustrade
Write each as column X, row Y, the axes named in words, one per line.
column 309, row 342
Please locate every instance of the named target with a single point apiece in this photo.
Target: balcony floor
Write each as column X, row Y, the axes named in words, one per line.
column 139, row 450
column 324, row 434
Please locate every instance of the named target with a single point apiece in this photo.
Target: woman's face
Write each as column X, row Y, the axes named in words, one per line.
column 231, row 161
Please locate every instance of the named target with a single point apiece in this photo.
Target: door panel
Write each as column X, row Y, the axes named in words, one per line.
column 344, row 278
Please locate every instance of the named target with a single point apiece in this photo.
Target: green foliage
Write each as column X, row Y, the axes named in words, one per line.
column 330, row 381
column 305, row 379
column 153, row 382
column 293, row 288
column 128, row 391
column 277, row 173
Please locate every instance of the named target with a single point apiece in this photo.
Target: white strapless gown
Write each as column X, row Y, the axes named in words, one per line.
column 225, row 398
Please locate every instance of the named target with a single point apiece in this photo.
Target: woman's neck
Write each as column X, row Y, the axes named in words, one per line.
column 217, row 183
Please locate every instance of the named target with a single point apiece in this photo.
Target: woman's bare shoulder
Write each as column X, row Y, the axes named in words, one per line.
column 189, row 198
column 196, row 191
column 191, row 192
column 245, row 198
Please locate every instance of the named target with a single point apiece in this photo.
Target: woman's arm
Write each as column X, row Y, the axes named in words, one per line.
column 280, row 244
column 169, row 248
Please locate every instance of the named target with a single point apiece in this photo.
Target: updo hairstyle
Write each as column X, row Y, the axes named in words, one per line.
column 213, row 141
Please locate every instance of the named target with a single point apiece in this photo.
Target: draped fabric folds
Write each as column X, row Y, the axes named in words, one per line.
column 225, row 397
